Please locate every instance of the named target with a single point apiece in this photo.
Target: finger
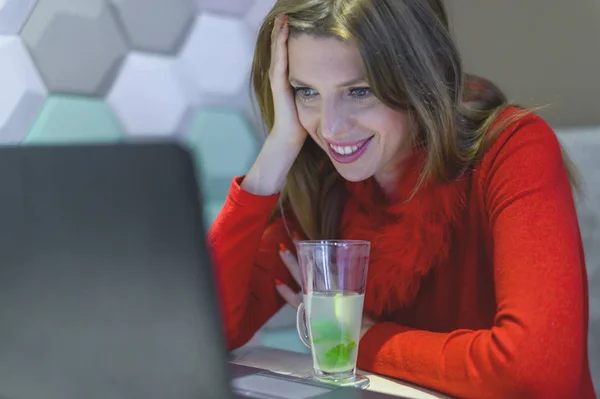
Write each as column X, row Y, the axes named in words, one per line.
column 279, row 54
column 288, row 295
column 291, row 263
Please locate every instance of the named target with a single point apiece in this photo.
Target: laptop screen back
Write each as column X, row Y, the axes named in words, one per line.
column 105, row 285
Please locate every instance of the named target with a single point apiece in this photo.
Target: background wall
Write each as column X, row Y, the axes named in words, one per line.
column 541, row 52
column 112, row 70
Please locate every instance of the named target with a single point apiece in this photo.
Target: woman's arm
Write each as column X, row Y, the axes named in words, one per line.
column 537, row 345
column 245, row 253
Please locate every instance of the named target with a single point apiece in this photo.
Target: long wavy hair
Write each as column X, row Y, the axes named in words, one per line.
column 412, row 65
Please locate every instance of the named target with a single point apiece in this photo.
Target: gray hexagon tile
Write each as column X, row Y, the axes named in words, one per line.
column 22, row 91
column 149, row 97
column 76, row 45
column 158, row 26
column 237, row 8
column 217, row 56
column 13, row 14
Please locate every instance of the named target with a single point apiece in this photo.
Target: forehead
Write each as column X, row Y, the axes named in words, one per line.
column 315, row 59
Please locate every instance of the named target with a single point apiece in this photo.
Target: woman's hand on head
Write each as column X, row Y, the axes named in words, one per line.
column 283, row 144
column 287, row 126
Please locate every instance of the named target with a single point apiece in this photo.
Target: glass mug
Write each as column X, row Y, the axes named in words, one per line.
column 329, row 318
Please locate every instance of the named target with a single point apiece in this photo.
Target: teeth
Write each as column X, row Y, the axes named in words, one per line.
column 345, row 150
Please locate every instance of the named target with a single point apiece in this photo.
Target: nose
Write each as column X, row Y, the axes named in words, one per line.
column 334, row 121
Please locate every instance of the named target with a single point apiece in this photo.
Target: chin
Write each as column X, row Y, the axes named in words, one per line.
column 353, row 174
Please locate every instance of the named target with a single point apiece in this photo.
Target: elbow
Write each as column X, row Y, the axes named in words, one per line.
column 542, row 386
column 539, row 368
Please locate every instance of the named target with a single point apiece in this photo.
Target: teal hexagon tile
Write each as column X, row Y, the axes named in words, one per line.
column 224, row 146
column 211, row 211
column 73, row 119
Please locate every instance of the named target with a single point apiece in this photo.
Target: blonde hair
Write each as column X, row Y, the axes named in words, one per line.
column 413, row 65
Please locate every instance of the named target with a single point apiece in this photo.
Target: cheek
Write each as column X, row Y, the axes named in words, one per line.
column 309, row 118
column 393, row 123
column 395, row 131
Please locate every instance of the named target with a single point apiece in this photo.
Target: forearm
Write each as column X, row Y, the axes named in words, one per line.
column 234, row 240
column 503, row 362
column 268, row 173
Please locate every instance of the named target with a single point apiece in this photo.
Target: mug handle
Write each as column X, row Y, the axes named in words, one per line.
column 301, row 325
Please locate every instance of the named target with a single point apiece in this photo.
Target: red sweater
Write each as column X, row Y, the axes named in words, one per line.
column 478, row 287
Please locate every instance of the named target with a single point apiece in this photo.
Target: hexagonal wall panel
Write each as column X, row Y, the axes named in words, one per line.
column 224, row 145
column 217, row 55
column 237, row 8
column 13, row 14
column 76, row 45
column 257, row 13
column 149, row 97
column 66, row 119
column 22, row 91
column 155, row 25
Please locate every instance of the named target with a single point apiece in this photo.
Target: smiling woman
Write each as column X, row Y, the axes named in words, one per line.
column 377, row 134
column 341, row 114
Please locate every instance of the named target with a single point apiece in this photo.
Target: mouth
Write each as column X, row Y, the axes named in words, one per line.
column 350, row 151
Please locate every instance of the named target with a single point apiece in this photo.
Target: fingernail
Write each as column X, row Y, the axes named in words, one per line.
column 285, row 19
column 278, row 282
column 282, row 247
column 296, row 236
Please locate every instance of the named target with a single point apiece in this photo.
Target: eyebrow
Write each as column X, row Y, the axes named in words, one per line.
column 350, row 82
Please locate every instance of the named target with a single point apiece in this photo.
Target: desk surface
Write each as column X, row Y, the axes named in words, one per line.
column 300, row 365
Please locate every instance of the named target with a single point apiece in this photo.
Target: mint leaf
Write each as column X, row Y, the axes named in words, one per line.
column 351, row 345
column 339, row 355
column 325, row 331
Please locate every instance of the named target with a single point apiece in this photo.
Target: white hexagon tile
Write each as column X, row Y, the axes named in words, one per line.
column 13, row 14
column 237, row 8
column 217, row 56
column 149, row 97
column 22, row 91
column 156, row 25
column 257, row 13
column 76, row 45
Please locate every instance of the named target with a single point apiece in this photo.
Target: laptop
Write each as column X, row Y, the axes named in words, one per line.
column 106, row 286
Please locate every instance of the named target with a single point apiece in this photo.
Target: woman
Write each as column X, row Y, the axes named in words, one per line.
column 477, row 284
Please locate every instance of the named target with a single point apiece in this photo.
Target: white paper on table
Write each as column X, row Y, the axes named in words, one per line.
column 275, row 360
column 300, row 365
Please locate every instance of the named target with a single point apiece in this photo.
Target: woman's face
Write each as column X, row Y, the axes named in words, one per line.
column 361, row 135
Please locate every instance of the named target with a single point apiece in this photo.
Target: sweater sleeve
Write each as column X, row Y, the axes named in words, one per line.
column 245, row 254
column 535, row 348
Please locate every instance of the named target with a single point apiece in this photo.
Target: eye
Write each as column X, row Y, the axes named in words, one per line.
column 360, row 92
column 304, row 93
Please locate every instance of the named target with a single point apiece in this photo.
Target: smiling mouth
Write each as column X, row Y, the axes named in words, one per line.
column 348, row 149
column 348, row 152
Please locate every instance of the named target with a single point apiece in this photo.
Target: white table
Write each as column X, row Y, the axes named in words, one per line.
column 300, row 365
